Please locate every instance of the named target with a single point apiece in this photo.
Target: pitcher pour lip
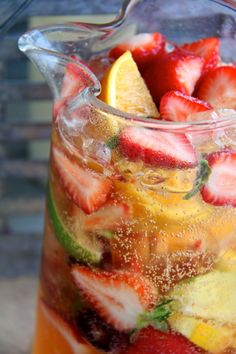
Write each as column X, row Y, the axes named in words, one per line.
column 89, row 95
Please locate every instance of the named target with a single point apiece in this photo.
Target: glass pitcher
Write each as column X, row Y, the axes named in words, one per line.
column 140, row 234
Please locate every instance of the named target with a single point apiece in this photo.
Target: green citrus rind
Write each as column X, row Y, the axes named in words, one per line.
column 81, row 246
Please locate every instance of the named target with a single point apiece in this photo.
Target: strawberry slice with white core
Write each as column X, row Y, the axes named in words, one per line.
column 75, row 80
column 108, row 218
column 208, row 48
column 176, row 106
column 144, row 47
column 88, row 190
column 220, row 188
column 218, row 87
column 118, row 297
column 189, row 72
column 174, row 71
column 157, row 148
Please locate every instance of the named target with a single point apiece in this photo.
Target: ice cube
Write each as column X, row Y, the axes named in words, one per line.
column 151, row 179
column 226, row 137
column 212, row 134
column 97, row 150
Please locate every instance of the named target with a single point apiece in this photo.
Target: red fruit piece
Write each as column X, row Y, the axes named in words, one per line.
column 144, row 47
column 176, row 106
column 118, row 297
column 153, row 341
column 107, row 218
column 208, row 48
column 220, row 187
column 88, row 190
column 76, row 79
column 218, row 87
column 101, row 335
column 55, row 335
column 173, row 71
column 157, row 148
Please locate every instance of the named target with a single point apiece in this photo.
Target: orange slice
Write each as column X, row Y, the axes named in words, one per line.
column 124, row 88
column 55, row 336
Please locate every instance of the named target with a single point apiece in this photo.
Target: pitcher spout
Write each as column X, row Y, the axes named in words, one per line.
column 62, row 67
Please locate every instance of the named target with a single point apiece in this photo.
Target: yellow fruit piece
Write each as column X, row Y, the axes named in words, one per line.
column 183, row 324
column 227, row 261
column 171, row 223
column 124, row 88
column 211, row 336
column 156, row 196
column 162, row 212
column 210, row 296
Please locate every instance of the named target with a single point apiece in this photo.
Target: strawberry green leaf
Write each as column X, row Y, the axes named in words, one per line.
column 202, row 176
column 113, row 142
column 157, row 317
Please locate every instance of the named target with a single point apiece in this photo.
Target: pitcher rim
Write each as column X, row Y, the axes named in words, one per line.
column 90, row 94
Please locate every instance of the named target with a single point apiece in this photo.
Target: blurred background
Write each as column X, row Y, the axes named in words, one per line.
column 25, row 115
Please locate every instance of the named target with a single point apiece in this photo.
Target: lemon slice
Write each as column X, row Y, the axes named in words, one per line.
column 124, row 88
column 168, row 212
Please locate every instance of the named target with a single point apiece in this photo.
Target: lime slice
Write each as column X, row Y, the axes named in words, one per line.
column 82, row 246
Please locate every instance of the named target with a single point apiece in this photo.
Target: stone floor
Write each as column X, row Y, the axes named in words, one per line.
column 19, row 265
column 17, row 311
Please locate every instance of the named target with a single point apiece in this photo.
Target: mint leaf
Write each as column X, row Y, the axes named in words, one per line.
column 113, row 142
column 156, row 317
column 202, row 176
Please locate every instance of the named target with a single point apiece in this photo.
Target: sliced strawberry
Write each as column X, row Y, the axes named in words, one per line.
column 153, row 341
column 55, row 335
column 87, row 189
column 108, row 218
column 144, row 48
column 118, row 297
column 157, row 148
column 220, row 187
column 177, row 106
column 173, row 71
column 76, row 79
column 218, row 87
column 208, row 48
